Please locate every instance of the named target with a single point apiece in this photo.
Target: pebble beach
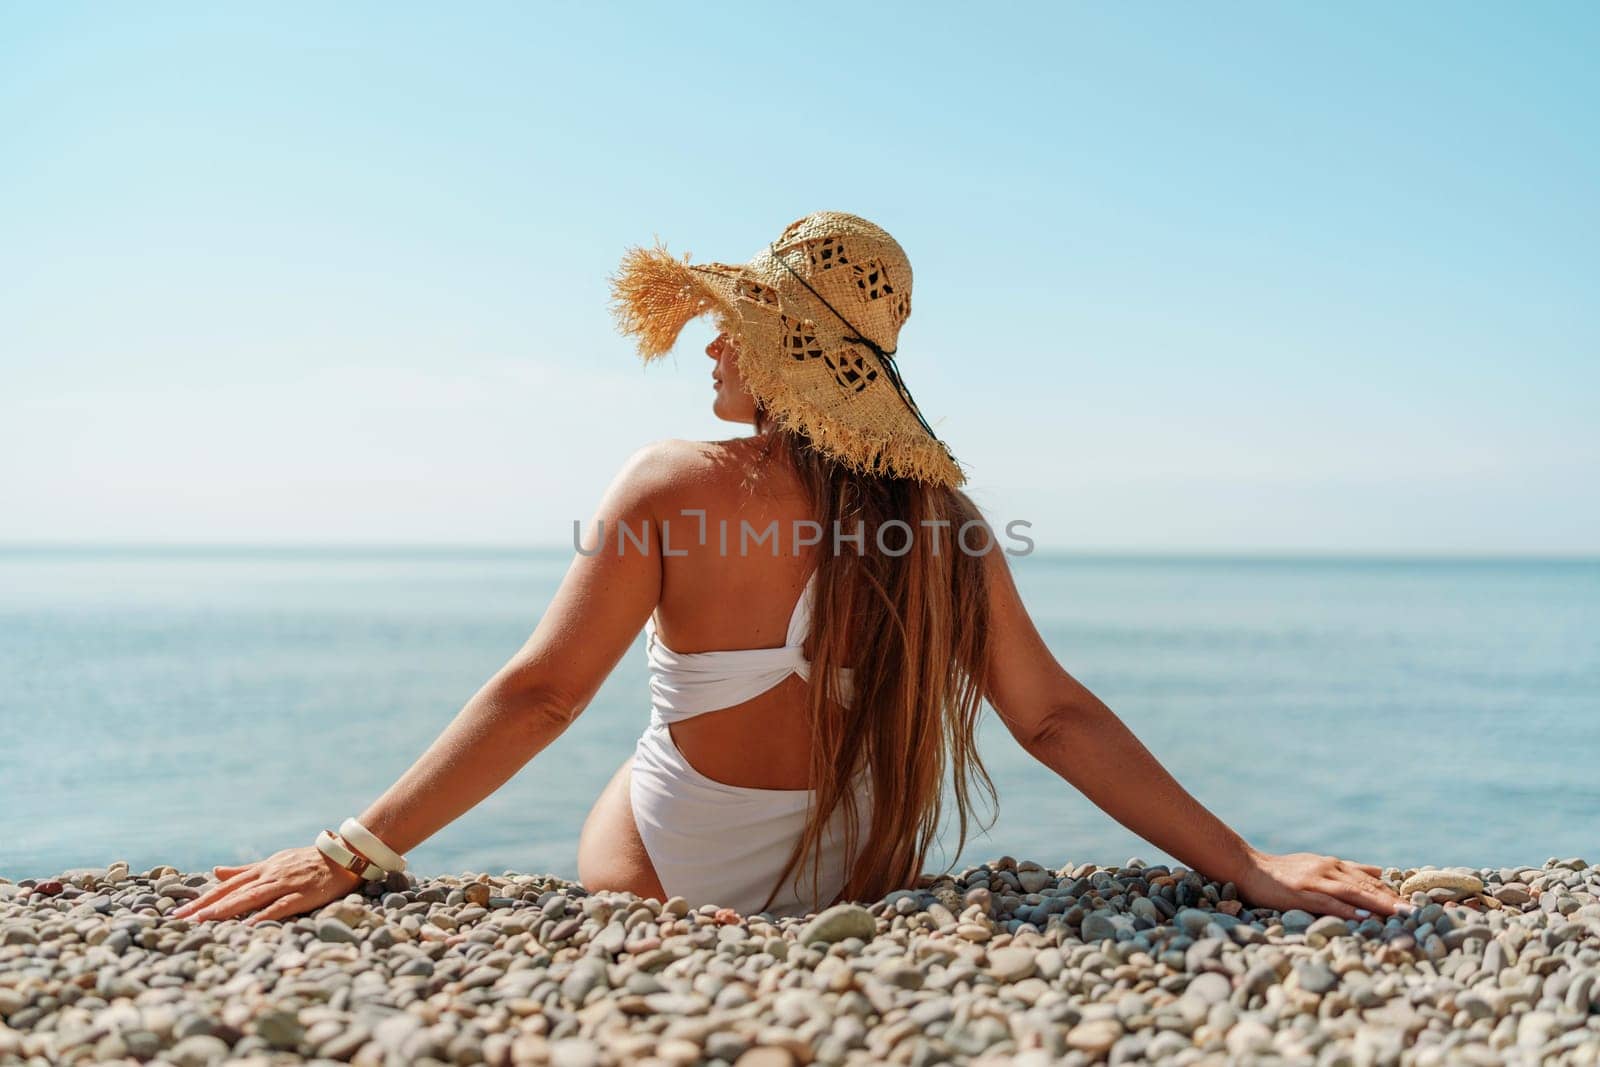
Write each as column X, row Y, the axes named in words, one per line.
column 1004, row 963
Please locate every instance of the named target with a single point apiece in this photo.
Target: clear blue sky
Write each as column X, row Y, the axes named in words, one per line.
column 1277, row 276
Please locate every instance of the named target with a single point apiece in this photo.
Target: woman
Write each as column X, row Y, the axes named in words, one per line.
column 826, row 614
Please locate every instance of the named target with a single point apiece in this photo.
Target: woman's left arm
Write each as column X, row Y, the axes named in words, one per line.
column 596, row 615
column 1068, row 729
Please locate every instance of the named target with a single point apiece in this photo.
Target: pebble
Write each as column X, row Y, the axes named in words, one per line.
column 1456, row 883
column 198, row 1050
column 575, row 1052
column 1012, row 964
column 1033, row 881
column 1296, row 921
column 1095, row 1036
column 585, row 975
column 1325, row 928
column 838, row 923
column 1514, row 894
column 1005, row 962
column 1210, row 988
column 1315, row 976
column 280, row 1029
column 1248, row 1037
column 336, row 930
column 1101, row 926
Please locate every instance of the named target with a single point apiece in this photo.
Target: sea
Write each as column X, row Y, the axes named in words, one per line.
column 200, row 706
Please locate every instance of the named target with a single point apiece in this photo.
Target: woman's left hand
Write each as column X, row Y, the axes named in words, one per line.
column 286, row 883
column 1322, row 885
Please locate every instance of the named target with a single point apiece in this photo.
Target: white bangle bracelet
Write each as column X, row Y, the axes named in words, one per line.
column 334, row 849
column 367, row 841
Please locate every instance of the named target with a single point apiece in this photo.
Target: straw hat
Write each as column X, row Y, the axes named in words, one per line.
column 815, row 317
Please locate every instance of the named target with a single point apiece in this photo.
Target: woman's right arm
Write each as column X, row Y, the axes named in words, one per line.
column 593, row 620
column 609, row 590
column 1068, row 729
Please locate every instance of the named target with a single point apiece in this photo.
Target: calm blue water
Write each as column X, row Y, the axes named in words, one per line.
column 199, row 707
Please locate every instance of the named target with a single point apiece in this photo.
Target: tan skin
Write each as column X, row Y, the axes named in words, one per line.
column 705, row 600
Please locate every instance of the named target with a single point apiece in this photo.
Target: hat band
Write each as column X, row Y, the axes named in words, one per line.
column 885, row 358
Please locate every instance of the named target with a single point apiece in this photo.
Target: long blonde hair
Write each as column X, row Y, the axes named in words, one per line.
column 914, row 630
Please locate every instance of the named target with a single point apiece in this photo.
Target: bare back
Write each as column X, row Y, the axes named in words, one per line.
column 737, row 590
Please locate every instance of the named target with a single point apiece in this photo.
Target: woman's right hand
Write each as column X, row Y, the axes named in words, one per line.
column 1322, row 885
column 290, row 882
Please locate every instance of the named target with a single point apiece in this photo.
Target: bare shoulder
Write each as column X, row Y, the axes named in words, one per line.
column 664, row 462
column 673, row 473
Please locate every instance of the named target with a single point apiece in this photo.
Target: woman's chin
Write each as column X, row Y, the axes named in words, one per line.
column 729, row 413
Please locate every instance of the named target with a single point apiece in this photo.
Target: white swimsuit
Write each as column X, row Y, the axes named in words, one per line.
column 714, row 843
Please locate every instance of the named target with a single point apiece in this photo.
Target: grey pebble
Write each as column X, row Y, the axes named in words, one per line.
column 1315, row 976
column 1210, row 988
column 337, row 931
column 1103, row 926
column 587, row 974
column 1296, row 921
column 280, row 1029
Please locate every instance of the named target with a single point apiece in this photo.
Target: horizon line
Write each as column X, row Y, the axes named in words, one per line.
column 509, row 548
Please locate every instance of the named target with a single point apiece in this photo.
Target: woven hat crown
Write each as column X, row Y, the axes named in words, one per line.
column 853, row 264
